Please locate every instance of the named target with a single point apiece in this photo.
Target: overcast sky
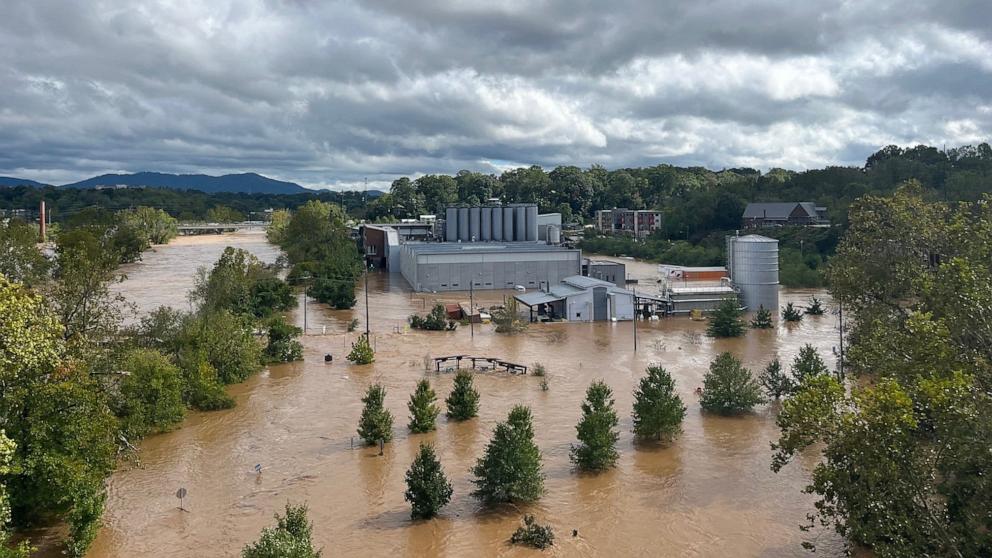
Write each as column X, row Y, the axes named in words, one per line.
column 325, row 93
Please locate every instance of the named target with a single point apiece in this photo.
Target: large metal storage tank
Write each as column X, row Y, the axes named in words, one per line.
column 474, row 224
column 532, row 223
column 753, row 264
column 451, row 224
column 508, row 224
column 554, row 235
column 498, row 224
column 463, row 224
column 520, row 223
column 486, row 234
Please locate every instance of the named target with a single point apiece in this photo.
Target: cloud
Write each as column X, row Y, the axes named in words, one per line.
column 331, row 93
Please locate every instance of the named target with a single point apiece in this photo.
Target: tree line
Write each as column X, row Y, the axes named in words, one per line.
column 79, row 387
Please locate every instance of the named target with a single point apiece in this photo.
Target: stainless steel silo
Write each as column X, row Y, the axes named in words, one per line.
column 753, row 266
column 520, row 223
column 487, row 224
column 531, row 223
column 508, row 224
column 474, row 223
column 463, row 224
column 451, row 224
column 497, row 224
column 554, row 234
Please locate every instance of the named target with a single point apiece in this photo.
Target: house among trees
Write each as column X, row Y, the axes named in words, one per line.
column 780, row 214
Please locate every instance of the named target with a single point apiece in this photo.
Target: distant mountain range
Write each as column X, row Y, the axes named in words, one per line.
column 249, row 182
column 10, row 181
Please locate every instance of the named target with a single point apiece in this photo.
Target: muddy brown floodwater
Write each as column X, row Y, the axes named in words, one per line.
column 710, row 493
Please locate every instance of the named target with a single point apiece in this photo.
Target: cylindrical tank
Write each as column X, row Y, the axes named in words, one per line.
column 486, row 234
column 532, row 223
column 451, row 224
column 463, row 224
column 497, row 224
column 520, row 223
column 508, row 224
column 753, row 261
column 554, row 235
column 474, row 223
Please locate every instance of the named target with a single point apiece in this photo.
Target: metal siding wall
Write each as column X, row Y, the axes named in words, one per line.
column 486, row 234
column 451, row 224
column 520, row 223
column 531, row 215
column 463, row 224
column 497, row 224
column 508, row 235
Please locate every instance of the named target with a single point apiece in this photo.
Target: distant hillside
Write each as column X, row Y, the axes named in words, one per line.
column 11, row 182
column 248, row 182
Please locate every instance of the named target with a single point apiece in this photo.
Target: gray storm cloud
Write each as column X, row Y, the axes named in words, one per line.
column 327, row 93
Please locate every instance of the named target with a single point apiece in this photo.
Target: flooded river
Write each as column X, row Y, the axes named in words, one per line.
column 710, row 493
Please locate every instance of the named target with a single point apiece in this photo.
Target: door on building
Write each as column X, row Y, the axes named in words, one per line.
column 600, row 310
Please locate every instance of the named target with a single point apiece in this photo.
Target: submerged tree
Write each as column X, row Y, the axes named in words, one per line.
column 791, row 314
column 427, row 489
column 596, row 432
column 283, row 344
column 361, row 351
column 508, row 319
column 533, row 534
column 510, row 469
column 775, row 381
column 423, row 408
column 376, row 422
column 815, row 307
column 725, row 319
column 290, row 538
column 762, row 319
column 807, row 364
column 729, row 388
column 463, row 401
column 658, row 410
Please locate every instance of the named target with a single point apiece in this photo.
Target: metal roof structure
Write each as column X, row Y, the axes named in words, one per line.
column 479, row 247
column 569, row 286
column 778, row 211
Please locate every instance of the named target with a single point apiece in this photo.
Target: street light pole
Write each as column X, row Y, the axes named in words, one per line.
column 635, row 319
column 367, row 329
column 471, row 306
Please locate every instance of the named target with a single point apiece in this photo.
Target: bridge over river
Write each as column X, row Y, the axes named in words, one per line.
column 219, row 228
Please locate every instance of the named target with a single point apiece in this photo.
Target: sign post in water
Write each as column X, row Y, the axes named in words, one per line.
column 181, row 493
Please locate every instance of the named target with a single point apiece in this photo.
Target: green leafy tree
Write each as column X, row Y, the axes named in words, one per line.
column 533, row 534
column 376, row 422
column 463, row 401
column 223, row 340
column 283, row 344
column 807, row 364
column 20, row 259
column 762, row 319
column 423, row 408
column 775, row 381
column 427, row 489
column 22, row 549
column 815, row 307
column 658, row 409
column 436, row 320
column 153, row 225
column 725, row 319
column 791, row 314
column 729, row 388
column 276, row 231
column 510, row 469
column 224, row 214
column 508, row 319
column 150, row 394
column 290, row 538
column 597, row 449
column 361, row 351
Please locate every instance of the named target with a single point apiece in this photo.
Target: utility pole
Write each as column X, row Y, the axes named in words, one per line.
column 635, row 319
column 471, row 306
column 840, row 317
column 367, row 330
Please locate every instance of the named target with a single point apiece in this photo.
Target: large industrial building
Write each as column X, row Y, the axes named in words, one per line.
column 582, row 299
column 458, row 266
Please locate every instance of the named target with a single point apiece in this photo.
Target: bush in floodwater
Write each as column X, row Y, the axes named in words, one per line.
column 427, row 489
column 423, row 408
column 725, row 319
column 534, row 535
column 376, row 422
column 791, row 314
column 596, row 432
column 361, row 351
column 807, row 364
column 775, row 381
column 658, row 410
column 290, row 538
column 539, row 369
column 463, row 401
column 762, row 319
column 815, row 307
column 283, row 345
column 729, row 388
column 436, row 320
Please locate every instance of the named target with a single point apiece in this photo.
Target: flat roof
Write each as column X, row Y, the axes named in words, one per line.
column 482, row 247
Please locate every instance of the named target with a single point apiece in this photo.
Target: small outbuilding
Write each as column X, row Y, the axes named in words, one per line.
column 580, row 299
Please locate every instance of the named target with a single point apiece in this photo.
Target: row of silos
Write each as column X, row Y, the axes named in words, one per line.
column 509, row 223
column 752, row 262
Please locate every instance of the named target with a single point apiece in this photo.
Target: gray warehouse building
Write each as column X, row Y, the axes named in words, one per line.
column 451, row 266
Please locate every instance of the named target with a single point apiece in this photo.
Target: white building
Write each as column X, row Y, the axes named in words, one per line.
column 580, row 299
